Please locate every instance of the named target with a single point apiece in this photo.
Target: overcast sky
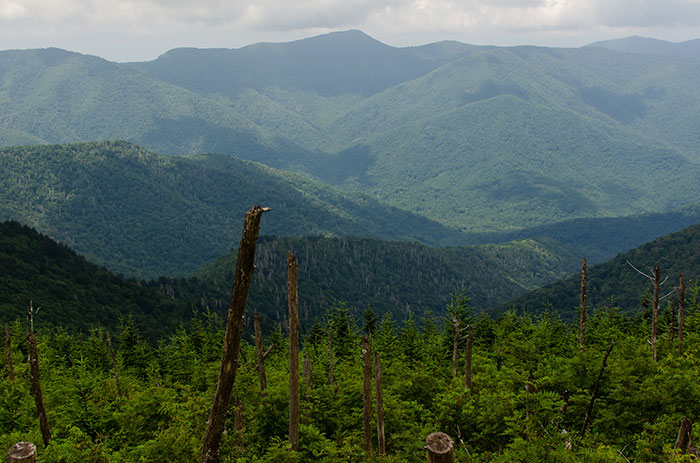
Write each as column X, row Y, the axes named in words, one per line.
column 137, row 30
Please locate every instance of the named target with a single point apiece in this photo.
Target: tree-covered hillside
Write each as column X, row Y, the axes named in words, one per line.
column 479, row 138
column 145, row 214
column 385, row 277
column 617, row 281
column 74, row 293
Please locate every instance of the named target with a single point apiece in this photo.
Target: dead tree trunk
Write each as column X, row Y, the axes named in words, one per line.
column 381, row 443
column 330, row 355
column 683, row 440
column 259, row 352
column 468, row 368
column 582, row 315
column 8, row 348
column 367, row 395
column 114, row 364
column 655, row 314
column 594, row 395
column 455, row 347
column 307, row 371
column 232, row 341
column 22, row 452
column 36, row 385
column 681, row 314
column 440, row 448
column 293, row 351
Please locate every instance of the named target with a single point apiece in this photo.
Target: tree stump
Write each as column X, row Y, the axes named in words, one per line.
column 440, row 448
column 683, row 440
column 22, row 452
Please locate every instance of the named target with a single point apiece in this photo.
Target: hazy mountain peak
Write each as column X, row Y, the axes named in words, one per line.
column 648, row 45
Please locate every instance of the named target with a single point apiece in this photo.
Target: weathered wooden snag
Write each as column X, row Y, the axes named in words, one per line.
column 22, row 452
column 455, row 346
column 381, row 443
column 683, row 440
column 440, row 448
column 330, row 354
column 681, row 314
column 232, row 340
column 8, row 349
column 293, row 351
column 582, row 310
column 367, row 395
column 259, row 352
column 36, row 385
column 114, row 363
column 468, row 368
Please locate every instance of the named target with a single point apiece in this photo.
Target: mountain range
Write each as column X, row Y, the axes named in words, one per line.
column 479, row 139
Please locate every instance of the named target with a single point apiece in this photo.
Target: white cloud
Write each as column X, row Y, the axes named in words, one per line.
column 169, row 23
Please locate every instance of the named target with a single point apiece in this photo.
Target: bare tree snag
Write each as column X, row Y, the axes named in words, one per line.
column 655, row 314
column 330, row 354
column 582, row 314
column 293, row 351
column 468, row 368
column 8, row 349
column 307, row 371
column 114, row 364
column 681, row 314
column 594, row 395
column 683, row 440
column 440, row 448
column 367, row 395
column 232, row 341
column 259, row 352
column 455, row 346
column 238, row 424
column 36, row 385
column 22, row 452
column 381, row 443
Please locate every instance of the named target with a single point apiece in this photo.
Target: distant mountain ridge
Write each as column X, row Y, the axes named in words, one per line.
column 636, row 44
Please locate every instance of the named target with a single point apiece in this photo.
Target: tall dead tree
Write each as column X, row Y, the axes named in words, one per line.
column 307, row 371
column 293, row 351
column 468, row 361
column 330, row 355
column 367, row 395
column 594, row 395
column 232, row 340
column 582, row 309
column 381, row 443
column 681, row 314
column 36, row 385
column 683, row 439
column 455, row 345
column 440, row 448
column 259, row 352
column 655, row 280
column 114, row 364
column 8, row 349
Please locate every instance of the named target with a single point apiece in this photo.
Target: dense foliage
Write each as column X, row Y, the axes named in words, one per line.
column 168, row 390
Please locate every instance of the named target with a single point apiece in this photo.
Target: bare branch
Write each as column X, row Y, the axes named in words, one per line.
column 639, row 271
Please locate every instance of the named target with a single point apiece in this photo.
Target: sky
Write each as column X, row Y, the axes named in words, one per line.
column 140, row 30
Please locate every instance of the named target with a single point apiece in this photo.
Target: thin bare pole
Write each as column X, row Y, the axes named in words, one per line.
column 8, row 348
column 381, row 443
column 36, row 385
column 232, row 340
column 293, row 351
column 681, row 314
column 589, row 412
column 455, row 346
column 259, row 353
column 114, row 364
column 367, row 395
column 330, row 354
column 468, row 372
column 655, row 314
column 582, row 315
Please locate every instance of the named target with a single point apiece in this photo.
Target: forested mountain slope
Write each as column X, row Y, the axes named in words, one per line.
column 615, row 280
column 74, row 293
column 146, row 214
column 485, row 139
column 386, row 277
column 650, row 46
